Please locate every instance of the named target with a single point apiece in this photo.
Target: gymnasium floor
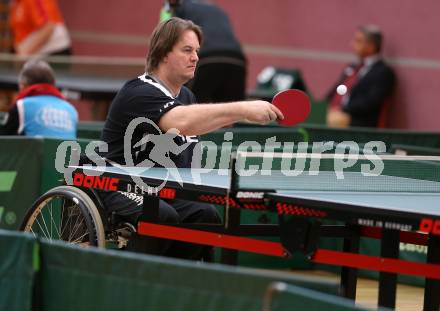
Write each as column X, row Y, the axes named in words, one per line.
column 409, row 298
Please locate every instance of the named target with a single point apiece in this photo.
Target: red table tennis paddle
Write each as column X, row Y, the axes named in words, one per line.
column 294, row 104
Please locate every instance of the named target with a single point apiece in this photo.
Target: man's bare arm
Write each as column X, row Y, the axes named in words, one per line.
column 35, row 40
column 204, row 118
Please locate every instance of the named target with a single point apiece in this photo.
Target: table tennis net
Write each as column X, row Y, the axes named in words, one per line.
column 337, row 172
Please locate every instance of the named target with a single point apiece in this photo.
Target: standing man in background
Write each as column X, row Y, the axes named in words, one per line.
column 359, row 96
column 221, row 72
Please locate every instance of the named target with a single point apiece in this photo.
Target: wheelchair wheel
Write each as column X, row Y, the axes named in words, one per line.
column 66, row 213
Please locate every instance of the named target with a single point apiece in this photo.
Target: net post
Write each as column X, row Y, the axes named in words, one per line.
column 233, row 173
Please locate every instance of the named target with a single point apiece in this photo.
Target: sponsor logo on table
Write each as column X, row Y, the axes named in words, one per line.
column 250, row 195
column 97, row 182
column 428, row 225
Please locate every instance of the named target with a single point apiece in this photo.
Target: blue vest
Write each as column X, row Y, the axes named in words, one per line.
column 47, row 116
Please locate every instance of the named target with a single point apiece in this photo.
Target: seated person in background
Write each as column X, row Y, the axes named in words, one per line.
column 359, row 95
column 38, row 28
column 160, row 95
column 40, row 109
column 221, row 71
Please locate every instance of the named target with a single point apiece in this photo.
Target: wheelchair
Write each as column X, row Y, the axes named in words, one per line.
column 77, row 216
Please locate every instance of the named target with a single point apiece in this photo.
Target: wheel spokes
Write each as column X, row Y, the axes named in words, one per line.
column 60, row 218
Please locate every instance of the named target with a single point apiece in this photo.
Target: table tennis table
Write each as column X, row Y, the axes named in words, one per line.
column 390, row 208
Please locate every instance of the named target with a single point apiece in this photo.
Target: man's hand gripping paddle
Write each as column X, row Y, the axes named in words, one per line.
column 294, row 104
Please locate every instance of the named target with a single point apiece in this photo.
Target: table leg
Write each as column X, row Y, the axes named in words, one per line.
column 388, row 281
column 144, row 244
column 232, row 222
column 432, row 287
column 349, row 275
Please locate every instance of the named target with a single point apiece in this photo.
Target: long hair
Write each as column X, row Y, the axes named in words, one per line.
column 165, row 36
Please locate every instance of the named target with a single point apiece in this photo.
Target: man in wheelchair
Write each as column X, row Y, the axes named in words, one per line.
column 160, row 96
column 154, row 103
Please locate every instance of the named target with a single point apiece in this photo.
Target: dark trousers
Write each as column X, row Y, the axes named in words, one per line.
column 219, row 82
column 128, row 207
